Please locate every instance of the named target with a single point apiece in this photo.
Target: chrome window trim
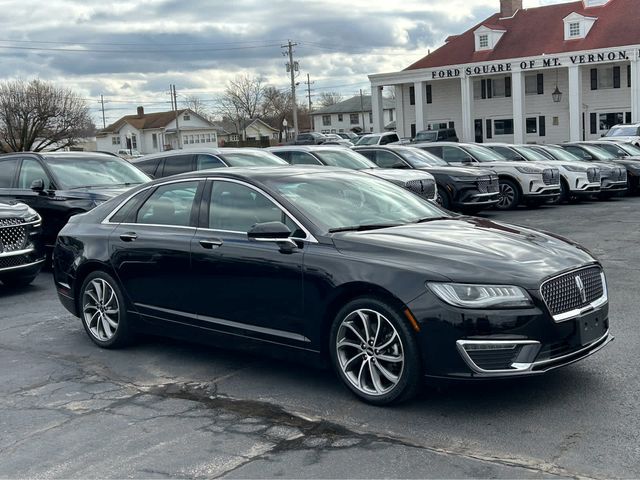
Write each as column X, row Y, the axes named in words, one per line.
column 13, row 253
column 517, row 367
column 578, row 312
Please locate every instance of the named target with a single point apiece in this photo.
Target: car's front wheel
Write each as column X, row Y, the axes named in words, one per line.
column 375, row 353
column 509, row 195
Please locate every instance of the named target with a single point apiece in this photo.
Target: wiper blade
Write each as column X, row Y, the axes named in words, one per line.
column 362, row 228
column 431, row 219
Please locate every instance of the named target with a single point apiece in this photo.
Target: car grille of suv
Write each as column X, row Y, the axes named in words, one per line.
column 619, row 175
column 488, row 185
column 425, row 188
column 551, row 176
column 593, row 175
column 563, row 294
column 13, row 235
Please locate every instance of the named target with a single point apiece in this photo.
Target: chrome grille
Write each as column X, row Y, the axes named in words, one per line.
column 8, row 222
column 487, row 185
column 13, row 261
column 13, row 235
column 563, row 294
column 551, row 176
column 425, row 188
column 593, row 175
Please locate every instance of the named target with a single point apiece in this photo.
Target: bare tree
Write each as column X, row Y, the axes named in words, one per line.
column 37, row 115
column 276, row 107
column 196, row 105
column 389, row 92
column 241, row 100
column 329, row 98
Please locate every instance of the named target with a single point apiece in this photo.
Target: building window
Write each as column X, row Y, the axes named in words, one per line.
column 608, row 120
column 605, row 78
column 484, row 41
column 412, row 95
column 340, row 117
column 134, row 141
column 530, row 85
column 115, row 140
column 234, row 138
column 391, row 115
column 186, row 117
column 574, row 29
column 197, row 140
column 185, row 139
column 208, row 138
column 154, row 140
column 498, row 88
column 326, row 120
column 354, row 119
column 503, row 127
column 532, row 125
column 370, row 117
column 190, row 138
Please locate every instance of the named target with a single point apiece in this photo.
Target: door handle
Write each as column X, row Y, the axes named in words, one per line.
column 128, row 237
column 211, row 243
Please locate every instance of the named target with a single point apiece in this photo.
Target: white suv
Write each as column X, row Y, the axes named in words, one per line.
column 528, row 183
column 629, row 133
column 386, row 138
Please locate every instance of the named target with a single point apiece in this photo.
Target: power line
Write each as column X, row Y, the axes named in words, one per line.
column 68, row 42
column 137, row 51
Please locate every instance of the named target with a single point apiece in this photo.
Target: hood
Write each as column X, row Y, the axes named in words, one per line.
column 502, row 164
column 97, row 193
column 469, row 249
column 404, row 176
column 458, row 171
column 629, row 139
column 13, row 210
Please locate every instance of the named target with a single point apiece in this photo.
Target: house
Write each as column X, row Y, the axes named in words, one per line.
column 250, row 130
column 156, row 132
column 549, row 74
column 353, row 115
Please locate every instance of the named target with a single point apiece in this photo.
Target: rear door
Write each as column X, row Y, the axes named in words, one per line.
column 176, row 164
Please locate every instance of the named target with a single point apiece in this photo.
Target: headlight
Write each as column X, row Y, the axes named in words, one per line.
column 574, row 168
column 481, row 296
column 463, row 179
column 32, row 216
column 529, row 170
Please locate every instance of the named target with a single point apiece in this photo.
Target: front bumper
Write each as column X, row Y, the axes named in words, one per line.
column 479, row 200
column 611, row 186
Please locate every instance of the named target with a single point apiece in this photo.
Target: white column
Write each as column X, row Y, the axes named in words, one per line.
column 400, row 112
column 420, row 91
column 635, row 89
column 377, row 110
column 467, row 133
column 517, row 95
column 575, row 103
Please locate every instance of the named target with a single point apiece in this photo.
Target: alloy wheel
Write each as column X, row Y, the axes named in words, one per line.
column 370, row 352
column 507, row 196
column 101, row 310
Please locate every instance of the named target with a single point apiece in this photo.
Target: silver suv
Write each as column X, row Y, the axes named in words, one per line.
column 629, row 133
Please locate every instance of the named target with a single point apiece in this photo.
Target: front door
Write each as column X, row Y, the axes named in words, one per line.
column 244, row 286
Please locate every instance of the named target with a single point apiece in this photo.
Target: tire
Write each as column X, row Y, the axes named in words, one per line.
column 509, row 195
column 104, row 315
column 375, row 376
column 18, row 282
column 443, row 198
column 565, row 193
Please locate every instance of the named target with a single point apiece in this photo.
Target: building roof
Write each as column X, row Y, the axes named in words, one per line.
column 537, row 31
column 354, row 105
column 148, row 120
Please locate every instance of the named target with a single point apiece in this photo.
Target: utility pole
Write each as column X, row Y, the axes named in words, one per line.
column 362, row 108
column 311, row 122
column 292, row 67
column 175, row 104
column 104, row 123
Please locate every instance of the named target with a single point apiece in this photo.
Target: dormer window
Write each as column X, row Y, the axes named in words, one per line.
column 574, row 29
column 483, row 41
column 577, row 26
column 487, row 37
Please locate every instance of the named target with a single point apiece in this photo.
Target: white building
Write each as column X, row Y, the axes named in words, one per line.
column 353, row 115
column 156, row 132
column 540, row 75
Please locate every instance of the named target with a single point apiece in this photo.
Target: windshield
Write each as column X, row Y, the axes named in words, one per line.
column 370, row 140
column 630, row 149
column 563, row 155
column 252, row 159
column 622, row 132
column 530, row 154
column 419, row 158
column 351, row 200
column 599, row 153
column 426, row 136
column 345, row 159
column 483, row 154
column 107, row 171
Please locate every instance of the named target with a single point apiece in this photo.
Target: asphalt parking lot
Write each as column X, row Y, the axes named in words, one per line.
column 166, row 409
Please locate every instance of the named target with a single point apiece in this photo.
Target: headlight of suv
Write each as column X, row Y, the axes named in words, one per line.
column 32, row 216
column 574, row 168
column 529, row 170
column 481, row 296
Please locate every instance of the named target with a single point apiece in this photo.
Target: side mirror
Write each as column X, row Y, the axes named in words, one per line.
column 37, row 185
column 275, row 232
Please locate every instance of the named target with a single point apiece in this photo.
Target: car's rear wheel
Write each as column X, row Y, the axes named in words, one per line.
column 103, row 311
column 509, row 195
column 375, row 353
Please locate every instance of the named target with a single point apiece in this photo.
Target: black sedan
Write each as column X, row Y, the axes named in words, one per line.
column 324, row 262
column 460, row 188
column 21, row 253
column 61, row 184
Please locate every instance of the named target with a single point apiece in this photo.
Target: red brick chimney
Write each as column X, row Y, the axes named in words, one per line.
column 508, row 8
column 140, row 112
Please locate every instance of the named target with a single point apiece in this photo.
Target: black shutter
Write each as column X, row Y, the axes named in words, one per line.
column 628, row 75
column 540, row 84
column 594, row 124
column 483, row 85
column 616, row 77
column 412, row 95
column 542, row 125
column 627, row 117
column 452, row 124
column 594, row 79
column 507, row 86
column 429, row 94
column 489, row 88
column 413, row 130
column 489, row 130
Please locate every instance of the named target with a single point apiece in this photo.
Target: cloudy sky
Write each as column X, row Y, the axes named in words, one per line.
column 130, row 51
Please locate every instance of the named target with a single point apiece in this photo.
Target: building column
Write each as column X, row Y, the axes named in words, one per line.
column 400, row 111
column 420, row 89
column 575, row 103
column 635, row 89
column 466, row 94
column 377, row 110
column 517, row 96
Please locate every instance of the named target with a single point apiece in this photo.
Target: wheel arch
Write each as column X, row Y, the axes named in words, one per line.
column 83, row 271
column 511, row 178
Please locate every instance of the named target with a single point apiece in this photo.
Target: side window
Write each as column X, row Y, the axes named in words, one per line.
column 286, row 156
column 32, row 170
column 302, row 158
column 453, row 154
column 8, row 172
column 150, row 167
column 370, row 154
column 579, row 152
column 437, row 151
column 204, row 162
column 386, row 159
column 235, row 207
column 507, row 153
column 169, row 205
column 173, row 165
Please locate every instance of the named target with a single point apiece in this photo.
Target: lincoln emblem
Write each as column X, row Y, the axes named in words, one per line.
column 583, row 292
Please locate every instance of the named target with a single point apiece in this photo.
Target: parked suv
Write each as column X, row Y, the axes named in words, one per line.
column 577, row 179
column 442, row 135
column 626, row 154
column 527, row 183
column 21, row 255
column 378, row 139
column 310, row 138
column 629, row 133
column 460, row 188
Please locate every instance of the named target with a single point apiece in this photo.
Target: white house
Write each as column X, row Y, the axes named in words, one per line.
column 156, row 132
column 541, row 75
column 353, row 115
column 252, row 130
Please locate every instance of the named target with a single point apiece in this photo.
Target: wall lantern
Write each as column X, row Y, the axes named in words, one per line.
column 557, row 94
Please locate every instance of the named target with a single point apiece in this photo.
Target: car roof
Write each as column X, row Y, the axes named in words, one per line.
column 307, row 148
column 196, row 151
column 68, row 155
